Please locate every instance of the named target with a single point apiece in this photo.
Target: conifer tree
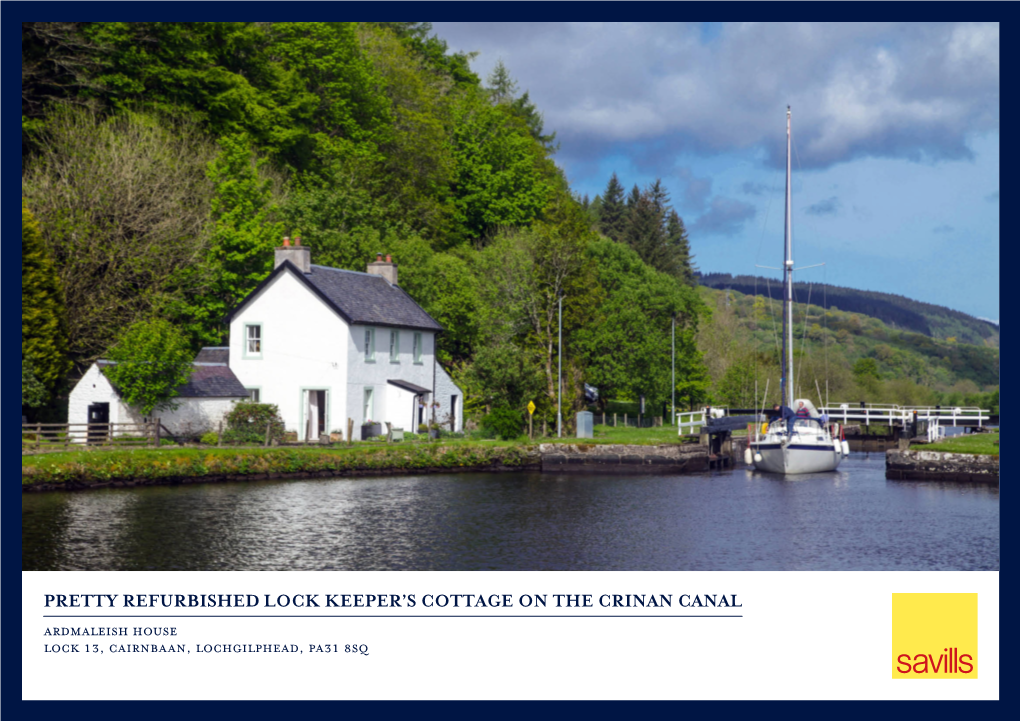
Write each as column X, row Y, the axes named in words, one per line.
column 680, row 248
column 646, row 232
column 43, row 322
column 612, row 217
column 502, row 87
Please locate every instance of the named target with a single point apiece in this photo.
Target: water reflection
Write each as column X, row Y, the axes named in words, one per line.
column 731, row 520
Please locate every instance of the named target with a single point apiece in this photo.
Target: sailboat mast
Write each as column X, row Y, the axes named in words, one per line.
column 786, row 393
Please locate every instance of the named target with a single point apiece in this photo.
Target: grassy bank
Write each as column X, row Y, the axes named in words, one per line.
column 100, row 465
column 977, row 443
column 167, row 463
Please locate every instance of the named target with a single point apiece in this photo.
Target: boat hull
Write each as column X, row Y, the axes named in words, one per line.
column 795, row 458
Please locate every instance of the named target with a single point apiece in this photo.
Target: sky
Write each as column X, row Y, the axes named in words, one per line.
column 895, row 133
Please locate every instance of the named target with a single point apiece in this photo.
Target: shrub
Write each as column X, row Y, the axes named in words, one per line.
column 246, row 423
column 503, row 422
column 210, row 439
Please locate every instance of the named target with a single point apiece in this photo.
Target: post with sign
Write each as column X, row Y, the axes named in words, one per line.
column 531, row 418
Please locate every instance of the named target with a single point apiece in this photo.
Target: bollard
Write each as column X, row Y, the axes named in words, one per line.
column 350, row 431
column 219, row 436
column 268, row 426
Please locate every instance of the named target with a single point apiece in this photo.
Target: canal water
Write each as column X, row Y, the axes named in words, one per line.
column 852, row 519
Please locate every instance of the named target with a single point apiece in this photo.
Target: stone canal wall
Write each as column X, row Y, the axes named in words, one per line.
column 591, row 458
column 917, row 465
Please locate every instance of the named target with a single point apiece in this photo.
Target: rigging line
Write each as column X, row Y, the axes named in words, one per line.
column 768, row 209
column 825, row 334
column 803, row 341
column 775, row 333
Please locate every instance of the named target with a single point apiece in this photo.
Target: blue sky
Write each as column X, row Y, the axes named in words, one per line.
column 896, row 128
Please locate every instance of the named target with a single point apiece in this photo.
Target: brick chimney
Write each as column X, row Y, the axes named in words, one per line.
column 299, row 255
column 386, row 269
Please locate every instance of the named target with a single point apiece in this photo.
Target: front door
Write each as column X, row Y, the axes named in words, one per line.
column 99, row 420
column 315, row 414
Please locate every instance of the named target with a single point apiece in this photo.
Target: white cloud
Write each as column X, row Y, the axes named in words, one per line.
column 857, row 89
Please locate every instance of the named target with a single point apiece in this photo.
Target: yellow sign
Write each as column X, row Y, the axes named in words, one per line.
column 531, row 407
column 934, row 635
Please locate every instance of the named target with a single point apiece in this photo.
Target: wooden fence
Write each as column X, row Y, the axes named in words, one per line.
column 57, row 436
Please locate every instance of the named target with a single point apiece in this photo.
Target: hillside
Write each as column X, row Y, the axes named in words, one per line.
column 855, row 356
column 896, row 311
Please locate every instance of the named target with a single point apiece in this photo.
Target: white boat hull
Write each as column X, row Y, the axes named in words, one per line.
column 795, row 459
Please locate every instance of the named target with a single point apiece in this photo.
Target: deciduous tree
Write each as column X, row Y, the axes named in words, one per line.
column 152, row 361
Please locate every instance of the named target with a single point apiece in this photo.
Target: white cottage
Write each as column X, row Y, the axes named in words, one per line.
column 327, row 345
column 203, row 401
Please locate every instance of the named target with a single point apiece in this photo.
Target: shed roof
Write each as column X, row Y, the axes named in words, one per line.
column 408, row 386
column 207, row 381
column 210, row 354
column 212, row 381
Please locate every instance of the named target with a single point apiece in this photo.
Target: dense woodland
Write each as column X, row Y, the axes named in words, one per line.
column 162, row 162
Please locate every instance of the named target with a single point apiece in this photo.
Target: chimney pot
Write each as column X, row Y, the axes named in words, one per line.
column 387, row 270
column 299, row 255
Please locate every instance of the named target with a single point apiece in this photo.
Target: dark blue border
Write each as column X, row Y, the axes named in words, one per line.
column 10, row 548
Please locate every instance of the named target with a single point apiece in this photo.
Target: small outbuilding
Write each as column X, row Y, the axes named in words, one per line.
column 203, row 402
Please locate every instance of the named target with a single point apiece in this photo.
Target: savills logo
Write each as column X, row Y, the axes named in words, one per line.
column 934, row 635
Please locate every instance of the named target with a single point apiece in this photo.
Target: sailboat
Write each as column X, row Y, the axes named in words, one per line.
column 798, row 441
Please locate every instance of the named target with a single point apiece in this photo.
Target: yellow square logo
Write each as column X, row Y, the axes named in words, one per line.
column 934, row 635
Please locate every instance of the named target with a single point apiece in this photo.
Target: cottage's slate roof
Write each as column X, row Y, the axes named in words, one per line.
column 207, row 381
column 368, row 299
column 219, row 354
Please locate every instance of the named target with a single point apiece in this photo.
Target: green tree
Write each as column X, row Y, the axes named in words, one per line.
column 678, row 246
column 525, row 271
column 243, row 237
column 500, row 178
column 33, row 392
column 613, row 215
column 43, row 322
column 626, row 349
column 646, row 231
column 123, row 204
column 502, row 87
column 152, row 360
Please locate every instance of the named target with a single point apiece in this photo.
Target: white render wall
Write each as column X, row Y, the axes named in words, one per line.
column 308, row 346
column 304, row 347
column 196, row 416
column 445, row 389
column 94, row 387
column 390, row 405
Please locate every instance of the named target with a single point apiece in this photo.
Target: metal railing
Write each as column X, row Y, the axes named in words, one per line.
column 898, row 415
column 691, row 419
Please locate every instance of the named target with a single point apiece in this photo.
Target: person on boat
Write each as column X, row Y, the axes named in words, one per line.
column 802, row 411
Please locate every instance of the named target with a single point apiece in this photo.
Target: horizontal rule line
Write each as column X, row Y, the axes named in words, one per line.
column 412, row 616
